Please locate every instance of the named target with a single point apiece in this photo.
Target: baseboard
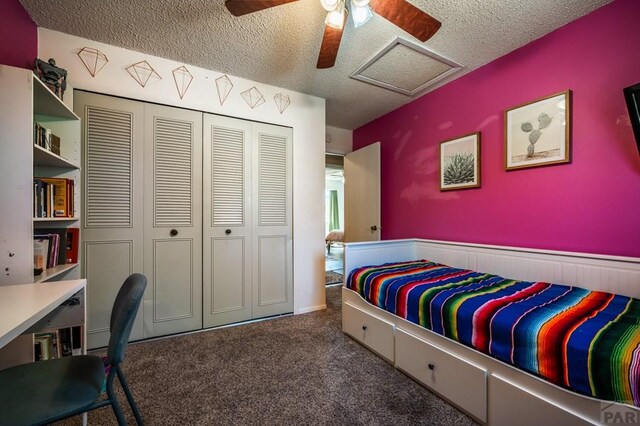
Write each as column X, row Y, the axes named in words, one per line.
column 310, row 309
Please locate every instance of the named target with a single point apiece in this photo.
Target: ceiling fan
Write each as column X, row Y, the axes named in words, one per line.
column 399, row 12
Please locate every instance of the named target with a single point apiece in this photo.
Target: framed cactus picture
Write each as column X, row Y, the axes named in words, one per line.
column 538, row 133
column 460, row 162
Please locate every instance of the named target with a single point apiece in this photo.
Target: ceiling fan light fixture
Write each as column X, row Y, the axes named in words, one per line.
column 360, row 14
column 329, row 5
column 335, row 18
column 360, row 3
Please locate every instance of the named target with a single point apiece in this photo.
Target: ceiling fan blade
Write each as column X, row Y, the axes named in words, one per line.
column 408, row 17
column 330, row 45
column 242, row 7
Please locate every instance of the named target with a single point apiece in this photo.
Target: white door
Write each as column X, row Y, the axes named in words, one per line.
column 362, row 194
column 112, row 229
column 227, row 234
column 173, row 221
column 272, row 267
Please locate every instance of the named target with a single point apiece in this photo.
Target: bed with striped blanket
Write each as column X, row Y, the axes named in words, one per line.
column 585, row 341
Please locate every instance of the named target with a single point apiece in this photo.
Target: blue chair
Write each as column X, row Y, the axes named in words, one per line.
column 43, row 392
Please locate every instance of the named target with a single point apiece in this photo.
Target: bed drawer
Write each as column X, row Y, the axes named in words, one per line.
column 373, row 332
column 455, row 379
column 511, row 404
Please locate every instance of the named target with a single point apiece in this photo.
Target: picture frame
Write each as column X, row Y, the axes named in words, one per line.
column 460, row 162
column 538, row 133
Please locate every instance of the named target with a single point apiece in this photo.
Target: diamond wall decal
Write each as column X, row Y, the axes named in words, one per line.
column 183, row 79
column 282, row 101
column 224, row 86
column 93, row 60
column 142, row 72
column 253, row 97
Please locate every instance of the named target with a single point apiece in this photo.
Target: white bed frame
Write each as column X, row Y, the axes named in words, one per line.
column 489, row 390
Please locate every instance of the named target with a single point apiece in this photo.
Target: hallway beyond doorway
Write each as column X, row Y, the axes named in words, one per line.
column 334, row 264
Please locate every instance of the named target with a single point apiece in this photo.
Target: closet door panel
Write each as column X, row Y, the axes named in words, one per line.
column 104, row 275
column 173, row 221
column 272, row 228
column 227, row 220
column 174, row 287
column 227, row 271
column 272, row 270
column 112, row 228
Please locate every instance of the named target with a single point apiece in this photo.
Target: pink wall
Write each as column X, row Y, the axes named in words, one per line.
column 18, row 35
column 590, row 205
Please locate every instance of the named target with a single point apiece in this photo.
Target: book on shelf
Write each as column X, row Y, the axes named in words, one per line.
column 40, row 253
column 45, row 139
column 73, row 242
column 57, row 246
column 46, row 345
column 52, row 244
column 53, row 197
column 58, row 343
column 59, row 241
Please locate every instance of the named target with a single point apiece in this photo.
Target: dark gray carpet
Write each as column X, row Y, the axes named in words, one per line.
column 292, row 370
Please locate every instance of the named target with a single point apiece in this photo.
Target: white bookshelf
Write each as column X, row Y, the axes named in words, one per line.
column 51, row 273
column 25, row 101
column 50, row 112
column 45, row 158
column 55, row 219
column 45, row 102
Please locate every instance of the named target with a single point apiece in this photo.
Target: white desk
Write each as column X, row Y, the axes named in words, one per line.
column 22, row 306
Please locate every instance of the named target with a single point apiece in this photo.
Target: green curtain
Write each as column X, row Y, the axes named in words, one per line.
column 334, row 216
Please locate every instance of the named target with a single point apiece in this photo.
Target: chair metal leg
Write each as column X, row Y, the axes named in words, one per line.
column 114, row 400
column 127, row 392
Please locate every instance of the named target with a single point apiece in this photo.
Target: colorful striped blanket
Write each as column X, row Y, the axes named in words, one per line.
column 585, row 341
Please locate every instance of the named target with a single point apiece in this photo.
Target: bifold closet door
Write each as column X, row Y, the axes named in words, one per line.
column 247, row 251
column 112, row 229
column 173, row 220
column 227, row 236
column 272, row 250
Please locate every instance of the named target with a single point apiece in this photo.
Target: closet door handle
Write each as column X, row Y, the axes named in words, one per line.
column 173, row 232
column 228, row 231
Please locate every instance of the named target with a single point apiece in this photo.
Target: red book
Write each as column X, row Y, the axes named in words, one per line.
column 73, row 241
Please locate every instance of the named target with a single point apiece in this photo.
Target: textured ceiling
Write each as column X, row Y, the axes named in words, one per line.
column 279, row 46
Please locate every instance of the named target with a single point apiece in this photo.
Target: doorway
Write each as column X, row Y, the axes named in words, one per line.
column 334, row 219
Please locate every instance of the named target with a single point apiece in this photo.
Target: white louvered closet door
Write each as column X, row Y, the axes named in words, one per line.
column 112, row 230
column 272, row 259
column 227, row 236
column 173, row 220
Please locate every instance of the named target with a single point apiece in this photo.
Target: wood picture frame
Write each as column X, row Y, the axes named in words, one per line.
column 538, row 133
column 460, row 162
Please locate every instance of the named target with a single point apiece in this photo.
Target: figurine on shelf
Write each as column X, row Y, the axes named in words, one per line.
column 55, row 78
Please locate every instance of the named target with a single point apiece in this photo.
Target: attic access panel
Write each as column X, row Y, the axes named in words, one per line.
column 389, row 68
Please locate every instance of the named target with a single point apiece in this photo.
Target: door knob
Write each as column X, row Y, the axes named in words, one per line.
column 173, row 232
column 228, row 231
column 374, row 228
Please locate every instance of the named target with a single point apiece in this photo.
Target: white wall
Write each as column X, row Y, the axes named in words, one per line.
column 306, row 115
column 338, row 141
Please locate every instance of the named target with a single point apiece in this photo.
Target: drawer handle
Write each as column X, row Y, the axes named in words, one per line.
column 364, row 328
column 74, row 301
column 431, row 366
column 173, row 232
column 228, row 232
